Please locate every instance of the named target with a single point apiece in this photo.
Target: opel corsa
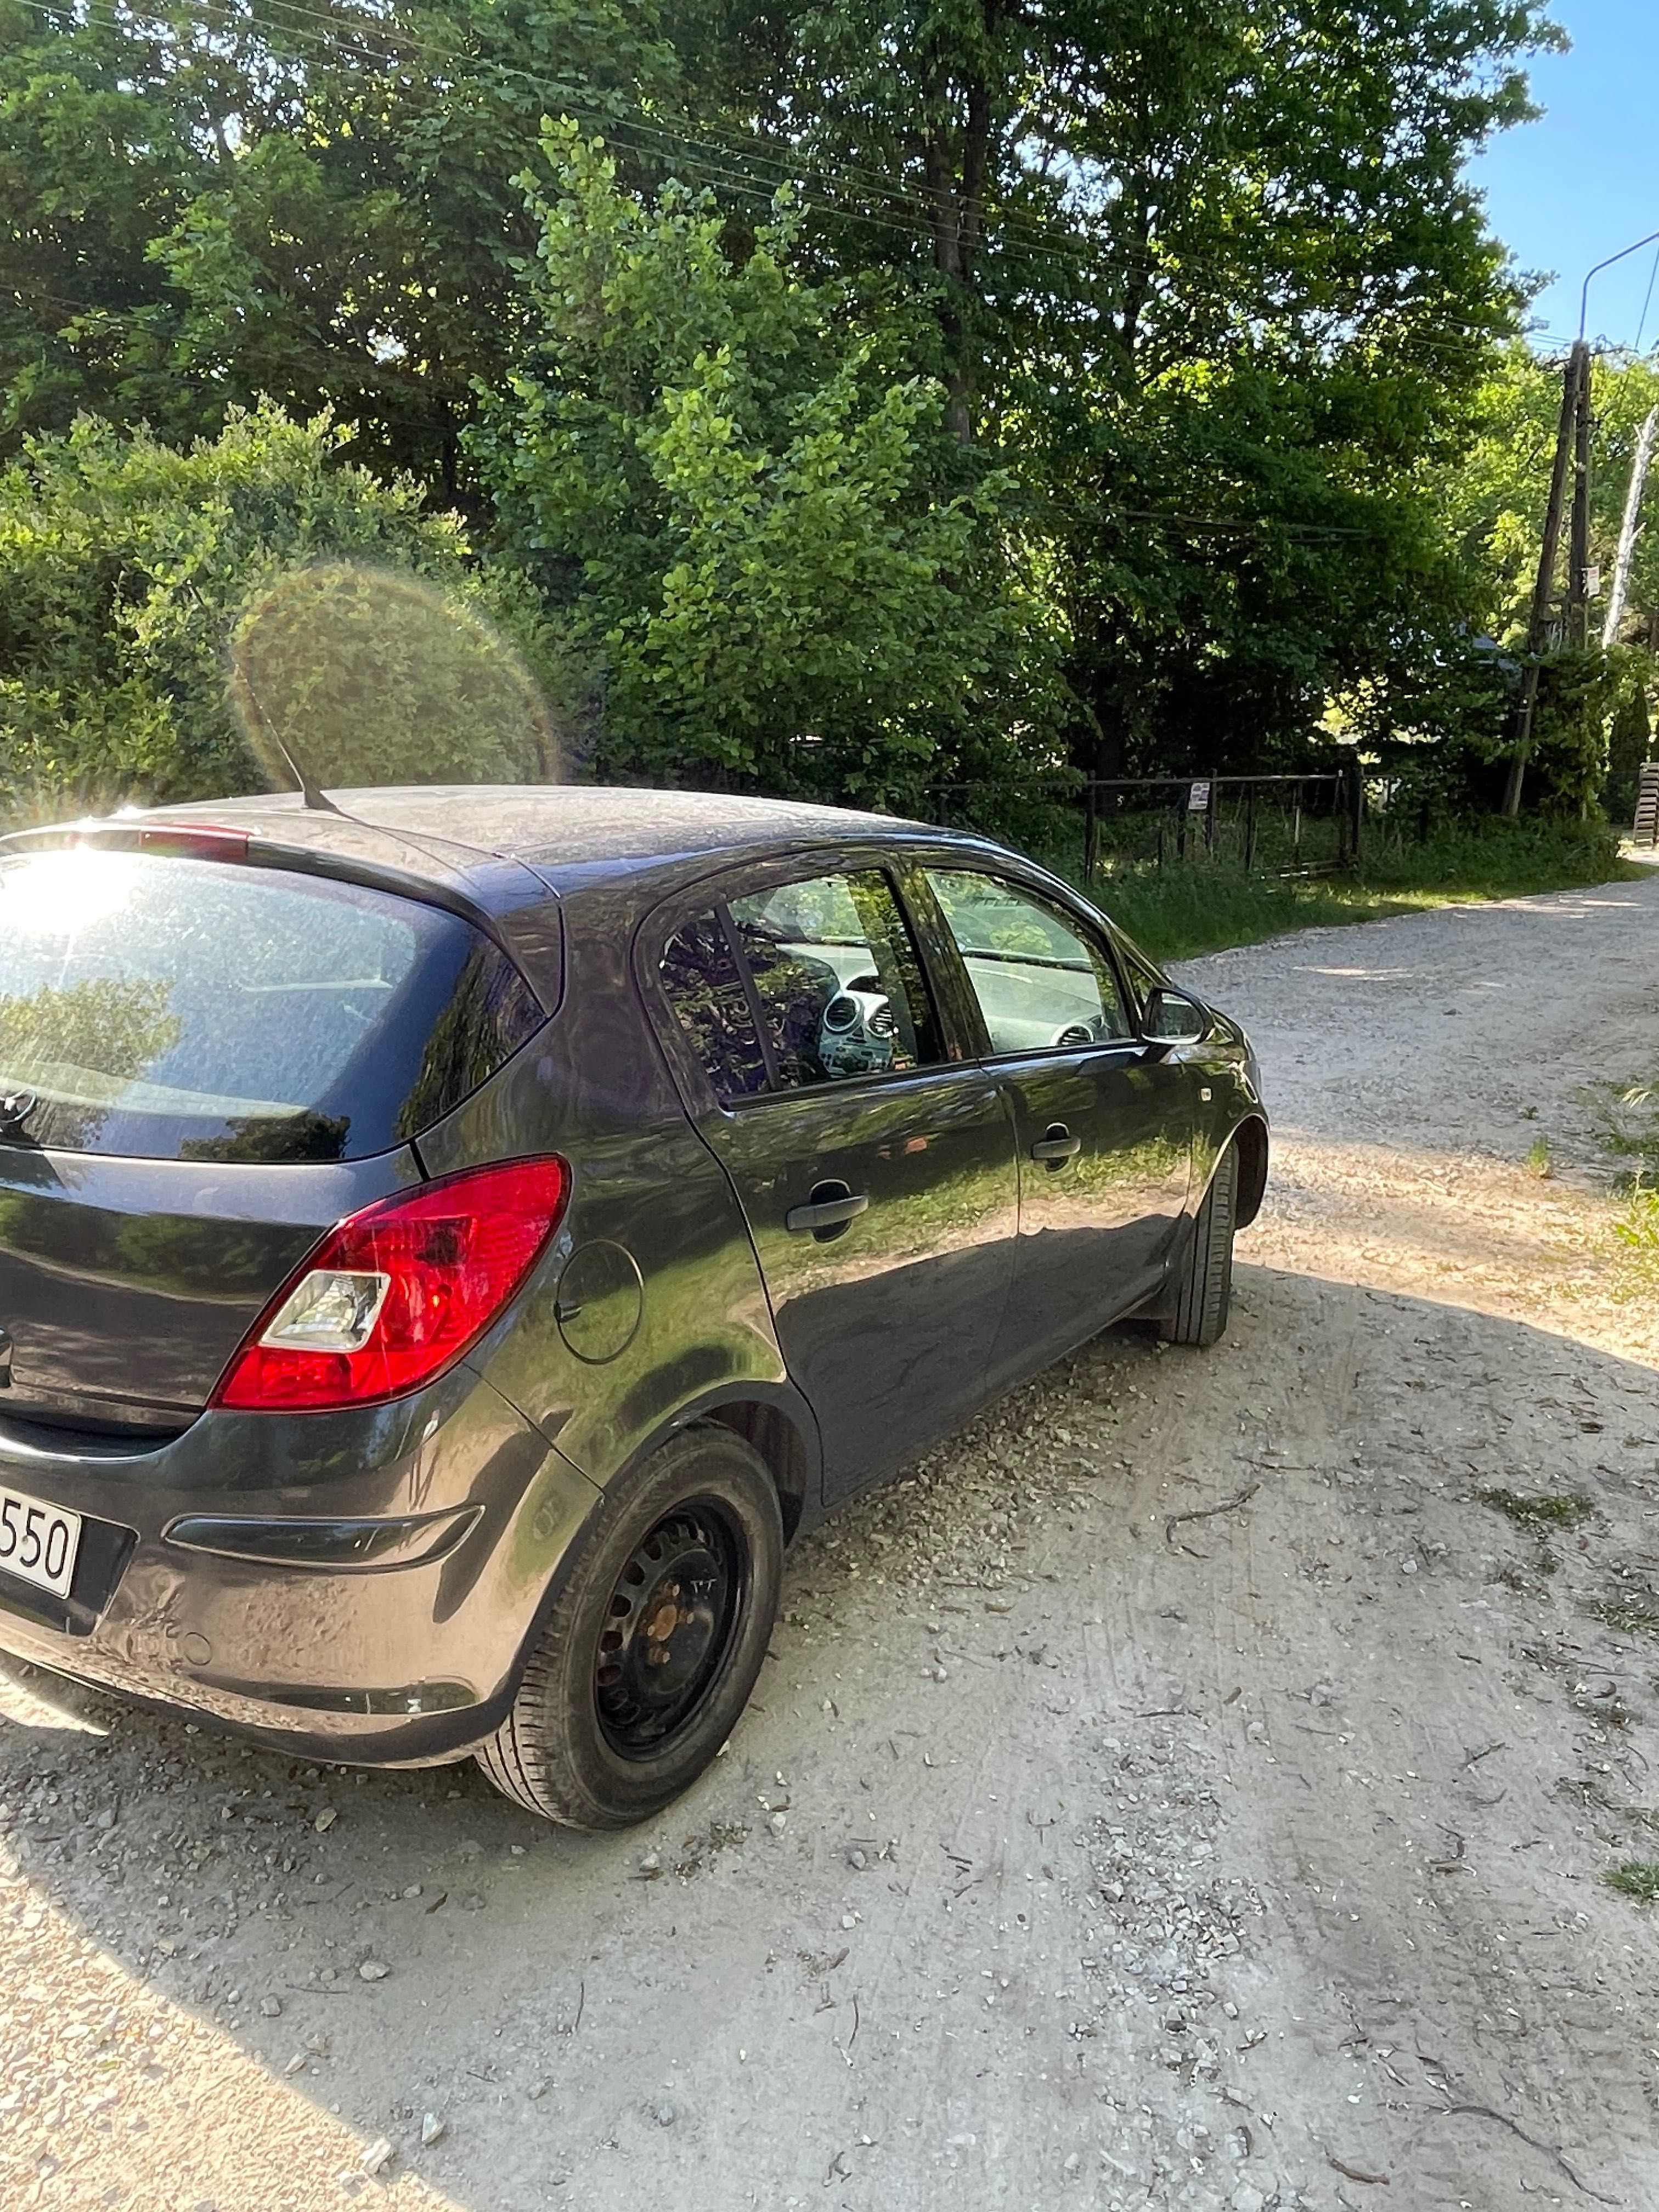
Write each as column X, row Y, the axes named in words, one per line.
column 450, row 1241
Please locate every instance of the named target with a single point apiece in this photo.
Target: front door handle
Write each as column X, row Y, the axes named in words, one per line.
column 832, row 1213
column 1059, row 1144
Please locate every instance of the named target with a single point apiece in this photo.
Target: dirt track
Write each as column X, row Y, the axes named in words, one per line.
column 1078, row 1851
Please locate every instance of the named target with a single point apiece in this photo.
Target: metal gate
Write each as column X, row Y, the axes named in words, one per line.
column 1646, row 831
column 1270, row 825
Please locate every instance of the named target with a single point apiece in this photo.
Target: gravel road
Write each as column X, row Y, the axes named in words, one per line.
column 1183, row 1790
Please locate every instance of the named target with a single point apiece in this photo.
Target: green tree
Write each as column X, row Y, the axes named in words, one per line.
column 743, row 489
column 1143, row 341
column 208, row 203
column 1302, row 300
column 1215, row 285
column 1494, row 495
column 1496, row 490
column 1253, row 176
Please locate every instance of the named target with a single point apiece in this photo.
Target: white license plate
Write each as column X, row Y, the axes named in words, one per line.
column 38, row 1543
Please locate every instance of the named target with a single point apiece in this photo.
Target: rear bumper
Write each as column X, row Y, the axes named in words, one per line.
column 380, row 1664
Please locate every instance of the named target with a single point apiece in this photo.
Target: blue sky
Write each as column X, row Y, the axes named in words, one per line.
column 1584, row 180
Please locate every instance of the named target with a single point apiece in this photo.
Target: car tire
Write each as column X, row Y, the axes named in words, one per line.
column 1204, row 1286
column 653, row 1642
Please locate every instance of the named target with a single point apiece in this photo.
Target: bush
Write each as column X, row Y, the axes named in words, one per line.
column 366, row 633
column 1567, row 766
column 366, row 677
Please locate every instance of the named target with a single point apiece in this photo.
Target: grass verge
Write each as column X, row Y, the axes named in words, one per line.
column 1637, row 1878
column 1180, row 913
column 1638, row 1232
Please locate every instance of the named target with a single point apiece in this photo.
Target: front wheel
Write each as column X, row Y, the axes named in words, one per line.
column 1204, row 1286
column 654, row 1641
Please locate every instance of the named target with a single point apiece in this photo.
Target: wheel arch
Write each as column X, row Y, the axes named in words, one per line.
column 772, row 1419
column 1251, row 1138
column 778, row 1433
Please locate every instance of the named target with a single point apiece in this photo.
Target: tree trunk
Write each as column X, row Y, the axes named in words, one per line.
column 955, row 165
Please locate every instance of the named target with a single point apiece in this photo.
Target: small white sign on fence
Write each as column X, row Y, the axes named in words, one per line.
column 1198, row 798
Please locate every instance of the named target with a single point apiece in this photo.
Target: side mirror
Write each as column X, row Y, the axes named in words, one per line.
column 1173, row 1018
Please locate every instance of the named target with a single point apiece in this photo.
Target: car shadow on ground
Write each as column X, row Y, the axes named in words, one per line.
column 1257, row 1617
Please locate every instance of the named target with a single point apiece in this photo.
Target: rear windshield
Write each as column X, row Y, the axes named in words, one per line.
column 179, row 1008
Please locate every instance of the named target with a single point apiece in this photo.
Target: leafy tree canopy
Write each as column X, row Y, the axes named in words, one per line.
column 207, row 203
column 1094, row 382
column 742, row 485
column 1497, row 490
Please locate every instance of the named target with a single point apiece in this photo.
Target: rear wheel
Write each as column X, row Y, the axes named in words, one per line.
column 1205, row 1284
column 653, row 1643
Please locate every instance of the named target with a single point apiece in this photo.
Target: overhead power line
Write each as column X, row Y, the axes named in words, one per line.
column 708, row 151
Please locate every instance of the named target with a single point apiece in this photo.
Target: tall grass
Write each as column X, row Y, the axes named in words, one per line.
column 1638, row 1231
column 1627, row 1123
column 1180, row 912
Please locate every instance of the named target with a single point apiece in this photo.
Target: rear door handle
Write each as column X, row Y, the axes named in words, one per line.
column 827, row 1213
column 1058, row 1145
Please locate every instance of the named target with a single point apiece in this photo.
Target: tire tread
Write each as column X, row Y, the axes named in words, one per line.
column 1204, row 1296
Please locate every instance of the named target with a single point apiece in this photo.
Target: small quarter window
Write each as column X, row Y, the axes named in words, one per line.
column 1144, row 978
column 706, row 992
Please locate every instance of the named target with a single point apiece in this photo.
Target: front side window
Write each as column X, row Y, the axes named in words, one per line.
column 1041, row 984
column 184, row 1009
column 836, row 980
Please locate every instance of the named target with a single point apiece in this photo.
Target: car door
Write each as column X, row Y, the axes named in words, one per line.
column 1103, row 1124
column 877, row 1175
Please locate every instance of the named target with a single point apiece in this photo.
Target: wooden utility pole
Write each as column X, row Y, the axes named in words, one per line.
column 1575, row 377
column 1630, row 530
column 1578, row 535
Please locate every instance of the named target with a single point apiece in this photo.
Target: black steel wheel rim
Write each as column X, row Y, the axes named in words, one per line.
column 669, row 1628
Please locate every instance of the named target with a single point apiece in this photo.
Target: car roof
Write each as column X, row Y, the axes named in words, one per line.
column 571, row 834
column 482, row 841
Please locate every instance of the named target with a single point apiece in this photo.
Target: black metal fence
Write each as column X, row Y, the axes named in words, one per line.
column 1278, row 825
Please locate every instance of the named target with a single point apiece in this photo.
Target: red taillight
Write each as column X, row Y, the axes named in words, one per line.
column 395, row 1294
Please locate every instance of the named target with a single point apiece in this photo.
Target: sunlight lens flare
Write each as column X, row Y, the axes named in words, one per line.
column 63, row 893
column 359, row 677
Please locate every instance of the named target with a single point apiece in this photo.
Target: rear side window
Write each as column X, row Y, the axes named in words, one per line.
column 179, row 1008
column 836, row 978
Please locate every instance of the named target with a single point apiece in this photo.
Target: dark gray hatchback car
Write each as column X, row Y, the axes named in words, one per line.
column 449, row 1246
